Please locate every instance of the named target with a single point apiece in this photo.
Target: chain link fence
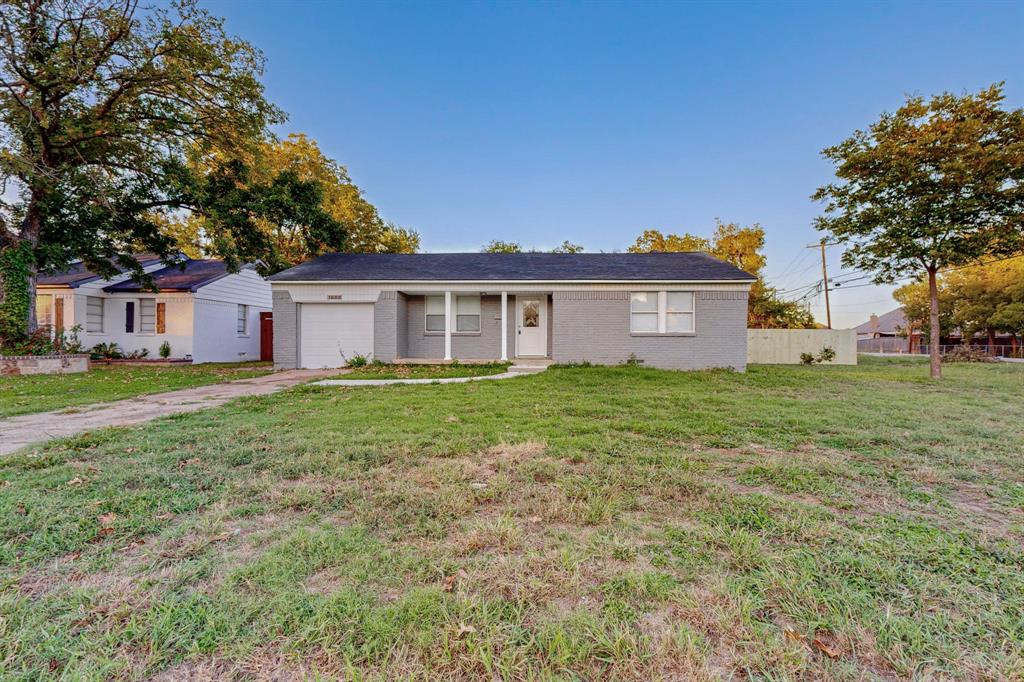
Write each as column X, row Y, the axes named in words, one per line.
column 897, row 344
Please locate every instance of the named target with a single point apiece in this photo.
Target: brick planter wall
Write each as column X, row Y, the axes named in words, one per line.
column 11, row 365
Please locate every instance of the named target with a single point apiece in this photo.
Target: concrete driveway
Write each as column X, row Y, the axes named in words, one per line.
column 18, row 432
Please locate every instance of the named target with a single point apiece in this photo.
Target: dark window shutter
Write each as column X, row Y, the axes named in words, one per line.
column 161, row 318
column 129, row 317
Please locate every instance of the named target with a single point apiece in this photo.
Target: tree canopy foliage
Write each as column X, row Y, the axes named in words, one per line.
column 984, row 299
column 742, row 247
column 99, row 102
column 499, row 246
column 341, row 199
column 934, row 185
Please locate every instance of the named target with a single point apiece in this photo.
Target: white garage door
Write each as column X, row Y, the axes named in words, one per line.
column 332, row 333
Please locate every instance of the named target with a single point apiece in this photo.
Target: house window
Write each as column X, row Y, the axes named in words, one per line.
column 243, row 320
column 643, row 311
column 435, row 314
column 679, row 312
column 44, row 310
column 129, row 317
column 466, row 310
column 147, row 315
column 94, row 314
column 467, row 313
column 661, row 312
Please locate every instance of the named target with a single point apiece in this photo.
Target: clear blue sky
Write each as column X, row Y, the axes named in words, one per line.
column 538, row 122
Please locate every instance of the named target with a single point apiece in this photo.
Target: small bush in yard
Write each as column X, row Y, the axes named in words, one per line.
column 967, row 354
column 165, row 350
column 106, row 351
column 36, row 343
column 358, row 360
column 826, row 354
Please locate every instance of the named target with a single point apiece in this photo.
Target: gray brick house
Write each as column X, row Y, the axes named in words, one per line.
column 671, row 310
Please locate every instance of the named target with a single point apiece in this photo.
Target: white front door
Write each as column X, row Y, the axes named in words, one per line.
column 531, row 326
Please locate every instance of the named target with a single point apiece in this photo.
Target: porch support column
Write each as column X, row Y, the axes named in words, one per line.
column 447, row 325
column 504, row 326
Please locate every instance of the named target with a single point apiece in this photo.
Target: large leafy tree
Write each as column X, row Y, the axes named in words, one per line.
column 742, row 247
column 936, row 184
column 301, row 156
column 99, row 102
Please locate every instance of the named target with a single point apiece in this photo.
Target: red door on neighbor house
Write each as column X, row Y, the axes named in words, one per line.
column 267, row 337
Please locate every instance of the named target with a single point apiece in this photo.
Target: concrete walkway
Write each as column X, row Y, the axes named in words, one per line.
column 516, row 370
column 18, row 432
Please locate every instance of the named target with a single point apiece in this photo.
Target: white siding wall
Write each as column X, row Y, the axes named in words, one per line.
column 201, row 325
column 179, row 328
column 216, row 318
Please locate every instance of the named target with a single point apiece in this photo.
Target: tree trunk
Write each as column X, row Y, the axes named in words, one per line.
column 933, row 319
column 991, row 341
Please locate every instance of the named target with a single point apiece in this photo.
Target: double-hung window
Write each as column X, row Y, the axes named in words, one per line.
column 94, row 314
column 243, row 320
column 465, row 309
column 643, row 311
column 147, row 315
column 435, row 314
column 44, row 310
column 467, row 313
column 661, row 312
column 679, row 312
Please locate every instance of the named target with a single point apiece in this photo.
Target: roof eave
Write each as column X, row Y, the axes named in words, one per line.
column 523, row 281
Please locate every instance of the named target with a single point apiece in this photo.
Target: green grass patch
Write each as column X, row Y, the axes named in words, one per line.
column 582, row 523
column 43, row 393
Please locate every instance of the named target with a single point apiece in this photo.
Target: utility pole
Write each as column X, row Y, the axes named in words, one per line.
column 824, row 280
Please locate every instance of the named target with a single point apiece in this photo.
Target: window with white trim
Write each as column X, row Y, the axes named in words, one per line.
column 679, row 312
column 465, row 309
column 243, row 320
column 643, row 311
column 147, row 315
column 661, row 312
column 434, row 321
column 467, row 313
column 94, row 314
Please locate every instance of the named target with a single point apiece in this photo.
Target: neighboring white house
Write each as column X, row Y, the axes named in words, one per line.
column 204, row 312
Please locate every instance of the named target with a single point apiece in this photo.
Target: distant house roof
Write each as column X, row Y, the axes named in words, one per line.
column 890, row 323
column 189, row 276
column 687, row 266
column 79, row 274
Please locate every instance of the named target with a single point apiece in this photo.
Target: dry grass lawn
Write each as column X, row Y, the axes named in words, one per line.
column 584, row 523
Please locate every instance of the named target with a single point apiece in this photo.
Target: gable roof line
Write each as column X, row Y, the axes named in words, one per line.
column 188, row 279
column 196, row 287
column 92, row 277
column 518, row 267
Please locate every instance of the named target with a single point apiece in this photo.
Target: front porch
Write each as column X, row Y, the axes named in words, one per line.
column 439, row 327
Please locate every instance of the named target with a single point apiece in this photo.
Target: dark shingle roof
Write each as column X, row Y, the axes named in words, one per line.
column 79, row 274
column 196, row 273
column 513, row 266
